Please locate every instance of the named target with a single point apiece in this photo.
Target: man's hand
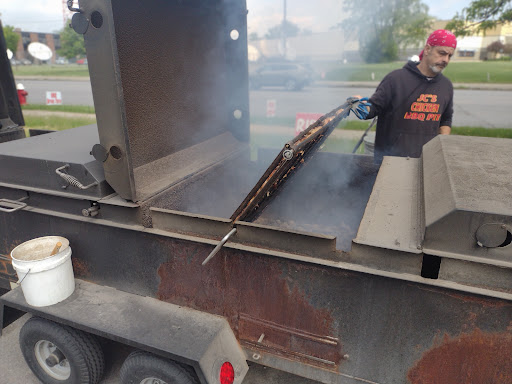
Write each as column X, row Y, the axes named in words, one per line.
column 444, row 130
column 359, row 106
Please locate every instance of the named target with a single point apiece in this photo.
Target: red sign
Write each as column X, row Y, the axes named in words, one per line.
column 271, row 107
column 304, row 120
column 53, row 98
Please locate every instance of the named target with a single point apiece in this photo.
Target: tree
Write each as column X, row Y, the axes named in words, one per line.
column 276, row 32
column 480, row 16
column 496, row 47
column 11, row 38
column 71, row 43
column 389, row 26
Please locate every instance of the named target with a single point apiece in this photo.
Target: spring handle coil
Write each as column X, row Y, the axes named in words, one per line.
column 73, row 180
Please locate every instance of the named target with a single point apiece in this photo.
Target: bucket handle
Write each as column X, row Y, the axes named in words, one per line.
column 26, row 274
column 14, row 205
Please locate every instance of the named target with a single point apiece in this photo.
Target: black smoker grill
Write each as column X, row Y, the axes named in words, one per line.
column 350, row 273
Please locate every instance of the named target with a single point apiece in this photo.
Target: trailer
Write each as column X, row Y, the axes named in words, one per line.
column 202, row 259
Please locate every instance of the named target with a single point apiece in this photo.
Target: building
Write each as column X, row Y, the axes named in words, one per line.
column 475, row 47
column 52, row 40
column 337, row 46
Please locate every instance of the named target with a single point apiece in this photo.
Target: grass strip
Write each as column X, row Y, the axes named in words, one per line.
column 59, row 108
column 57, row 123
column 70, row 70
column 490, row 72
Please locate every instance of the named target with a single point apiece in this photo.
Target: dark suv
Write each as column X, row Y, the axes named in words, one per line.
column 290, row 75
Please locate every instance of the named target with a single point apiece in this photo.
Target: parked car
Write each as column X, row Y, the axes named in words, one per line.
column 291, row 76
column 20, row 62
column 61, row 60
column 82, row 61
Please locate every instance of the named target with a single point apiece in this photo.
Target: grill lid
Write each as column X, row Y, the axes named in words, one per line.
column 167, row 81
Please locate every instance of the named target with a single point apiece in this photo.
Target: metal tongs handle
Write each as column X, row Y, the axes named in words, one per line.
column 219, row 246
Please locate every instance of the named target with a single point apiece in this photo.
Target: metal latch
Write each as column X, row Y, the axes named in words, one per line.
column 12, row 205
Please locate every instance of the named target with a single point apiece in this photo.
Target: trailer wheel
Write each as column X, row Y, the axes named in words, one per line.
column 144, row 368
column 58, row 354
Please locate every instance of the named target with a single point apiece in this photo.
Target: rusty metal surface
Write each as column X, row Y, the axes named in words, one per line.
column 262, row 295
column 471, row 358
column 7, row 273
column 310, row 314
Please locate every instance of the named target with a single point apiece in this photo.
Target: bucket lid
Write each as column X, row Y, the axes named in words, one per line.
column 39, row 248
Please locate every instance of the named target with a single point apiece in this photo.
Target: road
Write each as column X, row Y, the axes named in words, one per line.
column 473, row 108
column 15, row 370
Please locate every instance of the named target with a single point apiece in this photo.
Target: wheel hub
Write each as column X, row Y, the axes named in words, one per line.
column 52, row 360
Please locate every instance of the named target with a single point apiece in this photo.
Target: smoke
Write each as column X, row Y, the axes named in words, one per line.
column 184, row 93
column 327, row 195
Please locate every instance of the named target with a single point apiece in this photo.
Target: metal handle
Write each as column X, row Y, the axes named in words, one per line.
column 364, row 134
column 71, row 8
column 16, row 205
column 26, row 274
column 71, row 179
column 219, row 246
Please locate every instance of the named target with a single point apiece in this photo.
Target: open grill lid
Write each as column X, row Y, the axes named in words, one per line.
column 170, row 88
column 293, row 155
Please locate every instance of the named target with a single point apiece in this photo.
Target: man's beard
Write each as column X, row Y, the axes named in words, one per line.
column 437, row 69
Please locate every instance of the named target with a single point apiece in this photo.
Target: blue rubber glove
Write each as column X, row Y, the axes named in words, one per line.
column 358, row 107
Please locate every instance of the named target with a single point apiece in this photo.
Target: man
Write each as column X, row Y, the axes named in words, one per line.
column 415, row 103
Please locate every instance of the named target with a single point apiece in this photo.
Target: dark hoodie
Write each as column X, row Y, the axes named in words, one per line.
column 411, row 108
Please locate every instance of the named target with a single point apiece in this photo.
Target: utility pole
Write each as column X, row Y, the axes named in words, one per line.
column 283, row 29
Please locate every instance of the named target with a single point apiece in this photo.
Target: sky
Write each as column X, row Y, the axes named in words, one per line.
column 318, row 16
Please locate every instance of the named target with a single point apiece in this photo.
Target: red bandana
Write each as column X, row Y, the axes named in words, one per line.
column 441, row 38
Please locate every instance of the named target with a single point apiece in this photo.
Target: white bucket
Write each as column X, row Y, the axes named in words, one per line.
column 45, row 279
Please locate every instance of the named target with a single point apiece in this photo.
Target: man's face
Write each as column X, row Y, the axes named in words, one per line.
column 437, row 58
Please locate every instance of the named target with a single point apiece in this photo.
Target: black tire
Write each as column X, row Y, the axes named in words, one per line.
column 81, row 352
column 141, row 366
